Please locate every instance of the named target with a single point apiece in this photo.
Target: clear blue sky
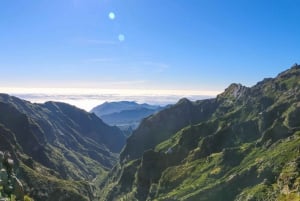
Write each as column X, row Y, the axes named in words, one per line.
column 165, row 44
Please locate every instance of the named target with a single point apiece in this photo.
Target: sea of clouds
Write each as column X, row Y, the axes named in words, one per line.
column 87, row 102
column 88, row 98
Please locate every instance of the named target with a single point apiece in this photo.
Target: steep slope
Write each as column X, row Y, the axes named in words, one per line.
column 124, row 114
column 160, row 127
column 242, row 145
column 58, row 148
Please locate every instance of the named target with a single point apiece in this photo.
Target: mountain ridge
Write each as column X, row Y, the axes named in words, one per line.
column 245, row 147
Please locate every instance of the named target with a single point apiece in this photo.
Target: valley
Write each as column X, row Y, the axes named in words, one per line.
column 243, row 145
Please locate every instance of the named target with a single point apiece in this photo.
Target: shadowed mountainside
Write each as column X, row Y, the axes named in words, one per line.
column 60, row 150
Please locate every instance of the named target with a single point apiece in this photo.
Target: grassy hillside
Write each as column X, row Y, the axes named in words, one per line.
column 243, row 145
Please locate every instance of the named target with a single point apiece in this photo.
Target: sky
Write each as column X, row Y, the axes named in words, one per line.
column 171, row 47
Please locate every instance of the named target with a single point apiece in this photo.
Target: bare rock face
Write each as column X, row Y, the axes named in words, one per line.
column 234, row 91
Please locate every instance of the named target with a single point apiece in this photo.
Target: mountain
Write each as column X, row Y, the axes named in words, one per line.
column 61, row 152
column 124, row 114
column 243, row 145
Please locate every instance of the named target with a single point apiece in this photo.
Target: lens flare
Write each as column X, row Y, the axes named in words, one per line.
column 112, row 15
column 121, row 37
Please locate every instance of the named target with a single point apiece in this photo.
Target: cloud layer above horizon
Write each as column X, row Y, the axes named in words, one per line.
column 88, row 98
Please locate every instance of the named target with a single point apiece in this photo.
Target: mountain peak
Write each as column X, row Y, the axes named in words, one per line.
column 184, row 101
column 234, row 91
column 295, row 66
column 293, row 71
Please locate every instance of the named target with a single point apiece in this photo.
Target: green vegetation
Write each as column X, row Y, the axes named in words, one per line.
column 27, row 198
column 60, row 152
column 242, row 146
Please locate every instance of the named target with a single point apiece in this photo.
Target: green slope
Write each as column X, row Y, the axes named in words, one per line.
column 242, row 145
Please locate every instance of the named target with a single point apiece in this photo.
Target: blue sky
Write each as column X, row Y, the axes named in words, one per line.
column 166, row 44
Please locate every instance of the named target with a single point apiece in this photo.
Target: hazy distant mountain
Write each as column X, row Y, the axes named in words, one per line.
column 113, row 107
column 124, row 114
column 243, row 145
column 58, row 148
